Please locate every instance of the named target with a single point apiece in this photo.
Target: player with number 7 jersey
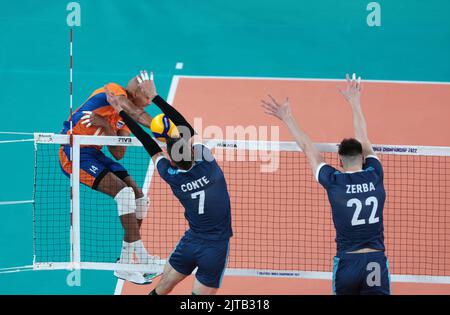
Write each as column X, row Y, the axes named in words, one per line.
column 202, row 190
column 198, row 182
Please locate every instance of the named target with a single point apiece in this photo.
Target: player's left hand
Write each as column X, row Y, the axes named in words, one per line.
column 146, row 84
column 92, row 119
column 280, row 110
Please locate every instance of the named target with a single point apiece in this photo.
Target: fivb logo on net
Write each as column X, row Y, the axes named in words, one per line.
column 237, row 143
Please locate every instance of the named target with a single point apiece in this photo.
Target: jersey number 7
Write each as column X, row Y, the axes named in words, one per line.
column 201, row 202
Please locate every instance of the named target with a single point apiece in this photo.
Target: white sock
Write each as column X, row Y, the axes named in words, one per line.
column 126, row 256
column 141, row 252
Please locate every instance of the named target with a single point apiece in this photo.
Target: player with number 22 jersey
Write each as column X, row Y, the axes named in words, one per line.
column 356, row 196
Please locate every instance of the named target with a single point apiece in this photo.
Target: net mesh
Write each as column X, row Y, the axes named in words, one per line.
column 51, row 208
column 281, row 220
column 100, row 227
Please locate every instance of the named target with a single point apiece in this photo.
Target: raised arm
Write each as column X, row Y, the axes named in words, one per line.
column 138, row 114
column 283, row 112
column 174, row 115
column 135, row 112
column 147, row 86
column 147, row 141
column 352, row 94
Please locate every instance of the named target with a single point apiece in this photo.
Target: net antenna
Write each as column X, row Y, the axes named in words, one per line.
column 75, row 254
column 71, row 136
column 73, row 20
column 71, row 79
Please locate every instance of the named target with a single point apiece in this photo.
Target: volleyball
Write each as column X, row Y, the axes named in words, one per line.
column 162, row 128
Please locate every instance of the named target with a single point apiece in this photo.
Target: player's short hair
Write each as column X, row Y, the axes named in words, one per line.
column 350, row 147
column 180, row 152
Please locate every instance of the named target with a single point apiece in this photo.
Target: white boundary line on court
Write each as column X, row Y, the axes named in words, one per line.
column 148, row 177
column 119, row 287
column 151, row 169
column 173, row 89
column 306, row 79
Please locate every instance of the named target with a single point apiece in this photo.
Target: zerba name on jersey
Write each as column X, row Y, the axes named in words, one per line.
column 196, row 184
column 360, row 188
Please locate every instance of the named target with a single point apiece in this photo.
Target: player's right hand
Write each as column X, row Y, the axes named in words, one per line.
column 146, row 84
column 113, row 100
column 280, row 110
column 352, row 93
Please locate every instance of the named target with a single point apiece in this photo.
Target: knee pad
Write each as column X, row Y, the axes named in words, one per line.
column 126, row 202
column 142, row 205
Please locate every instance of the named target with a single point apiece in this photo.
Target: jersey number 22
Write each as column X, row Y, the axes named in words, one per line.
column 371, row 201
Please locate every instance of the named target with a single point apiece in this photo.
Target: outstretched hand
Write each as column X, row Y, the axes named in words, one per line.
column 146, row 84
column 352, row 93
column 280, row 110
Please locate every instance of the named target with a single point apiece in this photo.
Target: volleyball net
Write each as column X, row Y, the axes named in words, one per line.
column 281, row 216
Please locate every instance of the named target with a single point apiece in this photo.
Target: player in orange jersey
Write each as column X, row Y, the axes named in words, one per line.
column 101, row 173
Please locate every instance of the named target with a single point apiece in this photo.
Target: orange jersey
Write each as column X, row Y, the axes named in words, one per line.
column 98, row 104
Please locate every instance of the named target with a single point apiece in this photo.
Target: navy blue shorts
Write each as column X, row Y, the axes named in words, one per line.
column 209, row 256
column 94, row 165
column 364, row 274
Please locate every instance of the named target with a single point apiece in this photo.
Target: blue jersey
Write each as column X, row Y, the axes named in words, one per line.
column 357, row 202
column 202, row 190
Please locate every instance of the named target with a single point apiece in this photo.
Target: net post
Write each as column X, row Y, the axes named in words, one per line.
column 75, row 215
column 36, row 136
